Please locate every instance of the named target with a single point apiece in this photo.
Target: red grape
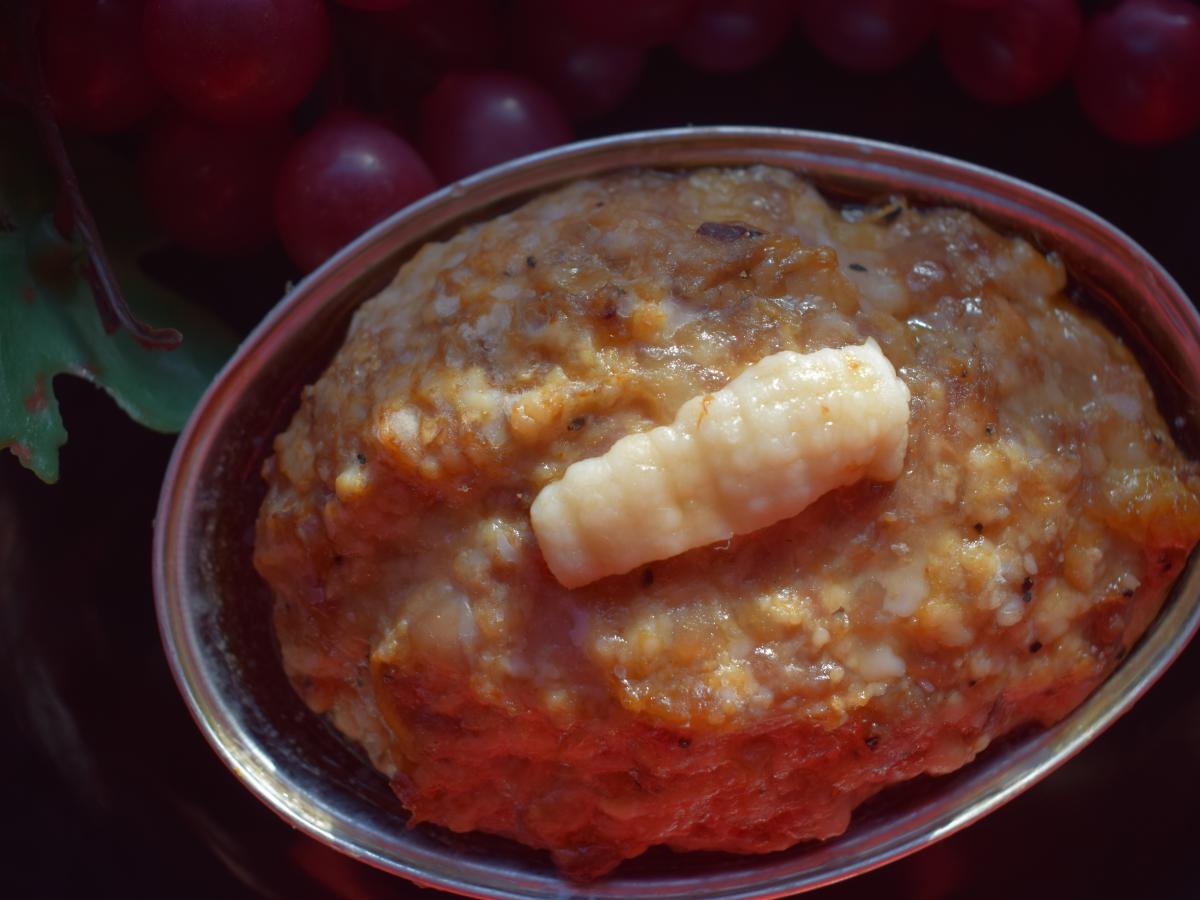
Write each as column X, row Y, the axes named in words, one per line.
column 1138, row 76
column 208, row 186
column 1012, row 52
column 95, row 69
column 474, row 120
column 641, row 23
column 588, row 76
column 237, row 59
column 731, row 35
column 867, row 35
column 341, row 178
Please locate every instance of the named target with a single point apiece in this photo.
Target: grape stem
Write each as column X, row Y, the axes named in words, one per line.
column 72, row 216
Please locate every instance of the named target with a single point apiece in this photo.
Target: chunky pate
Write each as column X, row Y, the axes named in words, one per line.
column 747, row 693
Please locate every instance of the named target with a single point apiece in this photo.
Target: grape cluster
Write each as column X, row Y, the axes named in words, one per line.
column 309, row 121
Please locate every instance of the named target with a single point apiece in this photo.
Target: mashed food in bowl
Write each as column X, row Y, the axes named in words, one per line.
column 742, row 694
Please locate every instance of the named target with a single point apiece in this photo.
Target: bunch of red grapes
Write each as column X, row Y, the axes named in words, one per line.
column 310, row 121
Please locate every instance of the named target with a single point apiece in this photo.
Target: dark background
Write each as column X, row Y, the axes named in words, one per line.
column 109, row 790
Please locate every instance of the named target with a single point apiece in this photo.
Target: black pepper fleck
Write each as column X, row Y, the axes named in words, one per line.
column 576, row 423
column 989, row 428
column 1027, row 585
column 1128, row 592
column 979, row 528
column 872, row 741
column 727, row 231
column 857, row 267
column 531, row 262
column 1035, row 646
column 362, row 459
column 684, row 743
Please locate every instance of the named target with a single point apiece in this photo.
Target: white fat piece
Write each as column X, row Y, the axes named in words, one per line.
column 788, row 429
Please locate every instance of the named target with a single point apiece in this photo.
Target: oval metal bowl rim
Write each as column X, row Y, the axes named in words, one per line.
column 989, row 783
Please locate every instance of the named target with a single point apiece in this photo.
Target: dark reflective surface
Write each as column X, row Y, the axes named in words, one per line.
column 111, row 791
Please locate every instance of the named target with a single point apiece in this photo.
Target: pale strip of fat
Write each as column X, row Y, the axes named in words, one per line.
column 788, row 429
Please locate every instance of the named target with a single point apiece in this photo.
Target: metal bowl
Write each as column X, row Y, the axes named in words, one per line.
column 214, row 611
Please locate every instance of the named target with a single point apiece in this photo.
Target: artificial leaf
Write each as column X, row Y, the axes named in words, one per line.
column 48, row 319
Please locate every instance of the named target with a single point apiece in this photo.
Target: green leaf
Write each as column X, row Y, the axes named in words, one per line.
column 48, row 320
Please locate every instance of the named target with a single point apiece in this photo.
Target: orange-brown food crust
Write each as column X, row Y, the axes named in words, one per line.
column 744, row 696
